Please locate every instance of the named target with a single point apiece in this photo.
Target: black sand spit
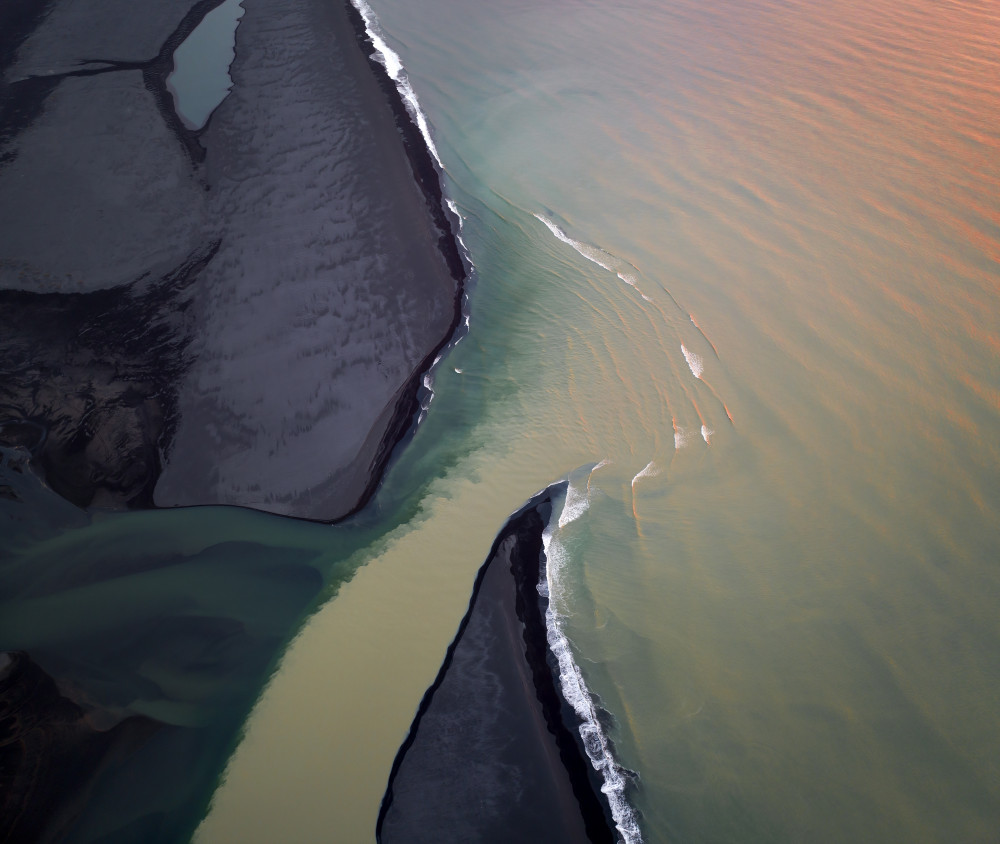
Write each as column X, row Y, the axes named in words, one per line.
column 493, row 754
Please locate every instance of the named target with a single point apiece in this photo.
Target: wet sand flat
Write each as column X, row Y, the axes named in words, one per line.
column 329, row 289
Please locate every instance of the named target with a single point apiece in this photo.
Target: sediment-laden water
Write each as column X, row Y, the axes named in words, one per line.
column 738, row 280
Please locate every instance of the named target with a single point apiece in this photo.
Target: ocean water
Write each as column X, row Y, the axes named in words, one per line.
column 738, row 279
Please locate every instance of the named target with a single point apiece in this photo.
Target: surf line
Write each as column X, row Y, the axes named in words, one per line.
column 596, row 743
column 397, row 73
column 523, row 538
column 596, row 255
column 428, row 171
column 650, row 470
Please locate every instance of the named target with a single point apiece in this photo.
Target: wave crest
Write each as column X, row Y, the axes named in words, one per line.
column 572, row 684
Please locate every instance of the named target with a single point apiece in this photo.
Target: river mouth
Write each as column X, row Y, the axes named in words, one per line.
column 200, row 80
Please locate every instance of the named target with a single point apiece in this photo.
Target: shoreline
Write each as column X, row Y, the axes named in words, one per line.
column 528, row 733
column 425, row 172
column 372, row 238
column 406, row 413
column 355, row 291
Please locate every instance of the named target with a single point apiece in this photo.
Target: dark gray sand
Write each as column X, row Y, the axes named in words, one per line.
column 325, row 290
column 237, row 316
column 62, row 747
column 490, row 757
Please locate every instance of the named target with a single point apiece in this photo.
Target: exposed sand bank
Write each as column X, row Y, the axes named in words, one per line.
column 334, row 276
column 490, row 757
column 240, row 315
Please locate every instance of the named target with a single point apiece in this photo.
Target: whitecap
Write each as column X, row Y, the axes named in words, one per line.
column 650, row 470
column 694, row 361
column 591, row 253
column 575, row 692
column 577, row 502
column 397, row 73
column 596, row 255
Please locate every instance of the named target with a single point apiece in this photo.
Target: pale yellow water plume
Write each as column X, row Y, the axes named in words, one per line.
column 318, row 747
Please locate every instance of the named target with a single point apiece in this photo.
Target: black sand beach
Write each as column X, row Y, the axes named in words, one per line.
column 240, row 315
column 306, row 270
column 493, row 754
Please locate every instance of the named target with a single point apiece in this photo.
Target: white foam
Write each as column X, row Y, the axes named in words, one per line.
column 574, row 688
column 596, row 255
column 397, row 73
column 393, row 64
column 706, row 432
column 650, row 470
column 577, row 502
column 694, row 361
column 591, row 253
column 461, row 240
column 680, row 438
column 453, row 207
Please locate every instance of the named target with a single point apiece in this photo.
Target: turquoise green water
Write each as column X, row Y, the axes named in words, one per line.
column 794, row 619
column 768, row 302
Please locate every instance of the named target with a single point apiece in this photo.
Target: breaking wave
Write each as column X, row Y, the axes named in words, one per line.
column 393, row 64
column 573, row 686
column 604, row 259
column 397, row 73
column 576, row 504
column 694, row 361
column 650, row 470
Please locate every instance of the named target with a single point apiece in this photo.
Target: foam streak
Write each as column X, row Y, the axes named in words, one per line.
column 694, row 361
column 394, row 67
column 575, row 691
column 596, row 255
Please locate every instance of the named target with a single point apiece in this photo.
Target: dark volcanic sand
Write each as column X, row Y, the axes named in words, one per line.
column 237, row 316
column 52, row 752
column 301, row 339
column 489, row 757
